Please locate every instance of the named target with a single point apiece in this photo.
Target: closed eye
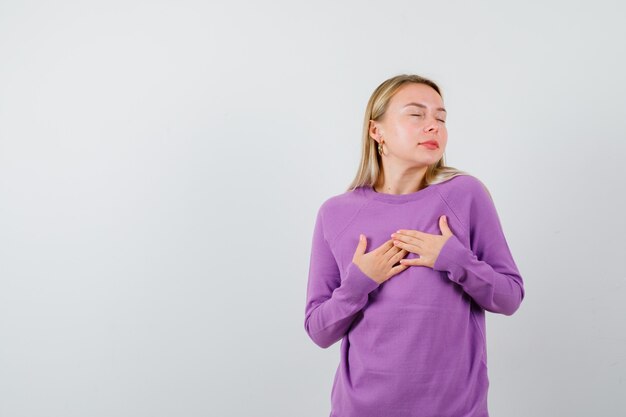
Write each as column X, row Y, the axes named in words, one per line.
column 442, row 121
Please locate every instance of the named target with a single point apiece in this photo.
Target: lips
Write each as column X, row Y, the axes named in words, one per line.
column 431, row 144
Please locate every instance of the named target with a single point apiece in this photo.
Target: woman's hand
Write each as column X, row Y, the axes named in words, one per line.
column 379, row 263
column 426, row 245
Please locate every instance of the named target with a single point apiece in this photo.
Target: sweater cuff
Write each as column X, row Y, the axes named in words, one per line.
column 357, row 284
column 452, row 257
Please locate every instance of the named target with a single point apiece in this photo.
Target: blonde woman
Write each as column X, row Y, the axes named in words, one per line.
column 404, row 265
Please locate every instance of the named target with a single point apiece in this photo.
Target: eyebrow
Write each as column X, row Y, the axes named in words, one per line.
column 422, row 106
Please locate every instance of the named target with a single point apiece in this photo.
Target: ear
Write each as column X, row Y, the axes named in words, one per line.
column 374, row 130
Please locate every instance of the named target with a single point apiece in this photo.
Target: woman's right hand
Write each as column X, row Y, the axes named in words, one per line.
column 379, row 263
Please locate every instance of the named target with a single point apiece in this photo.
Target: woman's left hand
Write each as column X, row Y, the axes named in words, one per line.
column 426, row 245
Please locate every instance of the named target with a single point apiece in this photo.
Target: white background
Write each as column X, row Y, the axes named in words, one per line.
column 162, row 162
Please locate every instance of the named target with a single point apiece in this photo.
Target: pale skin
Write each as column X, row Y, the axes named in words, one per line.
column 404, row 164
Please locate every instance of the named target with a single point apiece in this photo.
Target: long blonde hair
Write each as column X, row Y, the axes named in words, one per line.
column 370, row 166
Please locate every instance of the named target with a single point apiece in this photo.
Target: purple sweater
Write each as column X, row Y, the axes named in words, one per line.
column 415, row 345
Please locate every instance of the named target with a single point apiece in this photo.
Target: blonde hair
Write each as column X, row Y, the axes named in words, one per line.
column 370, row 166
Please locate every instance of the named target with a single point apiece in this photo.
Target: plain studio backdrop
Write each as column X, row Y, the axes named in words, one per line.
column 161, row 165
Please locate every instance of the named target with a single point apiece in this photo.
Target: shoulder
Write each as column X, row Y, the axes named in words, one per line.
column 338, row 210
column 463, row 184
column 466, row 195
column 340, row 202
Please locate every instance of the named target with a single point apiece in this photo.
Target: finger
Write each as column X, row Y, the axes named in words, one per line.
column 384, row 247
column 412, row 262
column 362, row 246
column 418, row 243
column 443, row 225
column 413, row 233
column 394, row 255
column 397, row 269
column 389, row 249
column 399, row 255
column 408, row 246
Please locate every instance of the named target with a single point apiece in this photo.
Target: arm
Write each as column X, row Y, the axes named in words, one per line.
column 487, row 271
column 332, row 305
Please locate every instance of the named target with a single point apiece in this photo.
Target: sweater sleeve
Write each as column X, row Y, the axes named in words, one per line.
column 332, row 304
column 487, row 271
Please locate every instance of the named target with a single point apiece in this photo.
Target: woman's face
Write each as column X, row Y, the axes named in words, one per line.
column 414, row 115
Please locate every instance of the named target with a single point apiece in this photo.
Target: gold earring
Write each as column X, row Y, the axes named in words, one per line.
column 380, row 146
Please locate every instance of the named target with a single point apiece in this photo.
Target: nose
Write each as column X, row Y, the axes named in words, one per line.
column 431, row 125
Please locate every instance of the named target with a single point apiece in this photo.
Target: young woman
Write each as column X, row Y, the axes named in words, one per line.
column 404, row 265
